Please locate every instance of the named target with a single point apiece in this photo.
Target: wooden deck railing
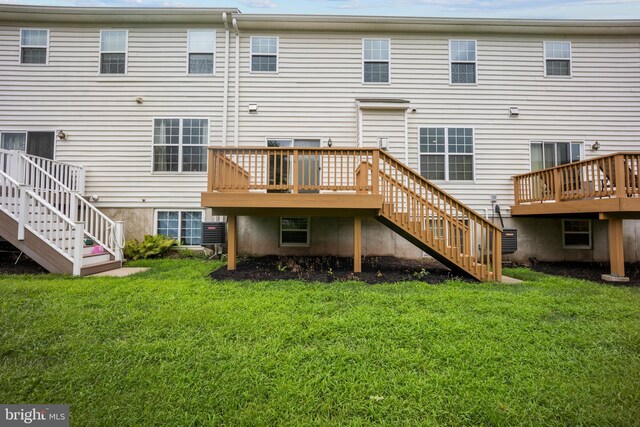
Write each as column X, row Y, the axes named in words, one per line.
column 615, row 175
column 410, row 202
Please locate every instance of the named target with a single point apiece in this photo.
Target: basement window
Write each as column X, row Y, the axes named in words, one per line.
column 576, row 233
column 294, row 231
column 34, row 46
column 201, row 45
column 184, row 226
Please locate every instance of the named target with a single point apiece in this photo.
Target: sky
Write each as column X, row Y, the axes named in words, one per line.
column 528, row 9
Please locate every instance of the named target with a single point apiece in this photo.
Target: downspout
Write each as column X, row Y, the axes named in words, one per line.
column 225, row 95
column 406, row 137
column 236, row 138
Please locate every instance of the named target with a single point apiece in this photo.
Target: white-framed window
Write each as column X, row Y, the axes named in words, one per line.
column 113, row 51
column 376, row 60
column 36, row 143
column 201, row 45
column 557, row 59
column 264, row 54
column 446, row 153
column 34, row 46
column 13, row 141
column 463, row 61
column 550, row 154
column 576, row 233
column 294, row 231
column 183, row 225
column 180, row 145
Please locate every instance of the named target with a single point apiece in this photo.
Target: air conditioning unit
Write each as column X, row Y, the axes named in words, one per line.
column 214, row 233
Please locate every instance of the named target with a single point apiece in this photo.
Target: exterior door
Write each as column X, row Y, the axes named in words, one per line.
column 308, row 165
column 41, row 144
column 281, row 166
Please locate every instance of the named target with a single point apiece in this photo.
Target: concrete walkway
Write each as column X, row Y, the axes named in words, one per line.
column 120, row 272
column 510, row 280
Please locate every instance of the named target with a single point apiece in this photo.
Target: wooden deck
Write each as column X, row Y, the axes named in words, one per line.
column 353, row 182
column 605, row 188
column 607, row 185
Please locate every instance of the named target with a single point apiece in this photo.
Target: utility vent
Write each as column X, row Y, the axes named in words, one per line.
column 509, row 240
column 214, row 233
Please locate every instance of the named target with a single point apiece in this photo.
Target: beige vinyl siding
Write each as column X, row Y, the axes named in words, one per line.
column 108, row 132
column 319, row 79
column 384, row 124
column 313, row 95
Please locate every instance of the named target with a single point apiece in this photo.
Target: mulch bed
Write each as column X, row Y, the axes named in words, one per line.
column 330, row 269
column 588, row 270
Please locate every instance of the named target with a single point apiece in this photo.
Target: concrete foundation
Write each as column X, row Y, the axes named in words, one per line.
column 540, row 238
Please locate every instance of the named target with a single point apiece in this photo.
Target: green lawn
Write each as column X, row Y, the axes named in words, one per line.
column 171, row 347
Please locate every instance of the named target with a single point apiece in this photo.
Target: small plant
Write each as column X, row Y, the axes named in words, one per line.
column 378, row 274
column 186, row 253
column 421, row 274
column 150, row 247
column 330, row 272
column 281, row 267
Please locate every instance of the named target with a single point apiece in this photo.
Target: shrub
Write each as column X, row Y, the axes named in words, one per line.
column 150, row 247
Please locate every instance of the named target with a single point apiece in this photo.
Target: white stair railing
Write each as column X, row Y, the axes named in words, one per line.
column 35, row 214
column 99, row 227
column 71, row 176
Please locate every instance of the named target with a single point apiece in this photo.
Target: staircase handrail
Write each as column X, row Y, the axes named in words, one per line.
column 435, row 189
column 71, row 175
column 99, row 227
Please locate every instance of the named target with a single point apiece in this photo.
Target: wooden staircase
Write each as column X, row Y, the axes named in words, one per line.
column 403, row 200
column 436, row 222
column 43, row 214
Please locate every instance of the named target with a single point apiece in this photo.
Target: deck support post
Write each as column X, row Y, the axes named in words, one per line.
column 616, row 252
column 232, row 241
column 357, row 244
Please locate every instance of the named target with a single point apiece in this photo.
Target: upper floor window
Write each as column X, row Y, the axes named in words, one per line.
column 446, row 153
column 557, row 59
column 375, row 57
column 180, row 145
column 201, row 45
column 264, row 54
column 550, row 154
column 113, row 51
column 462, row 55
column 34, row 46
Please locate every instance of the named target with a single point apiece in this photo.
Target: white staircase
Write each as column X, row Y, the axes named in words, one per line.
column 43, row 213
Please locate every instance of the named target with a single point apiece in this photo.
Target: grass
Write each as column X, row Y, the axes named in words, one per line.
column 171, row 347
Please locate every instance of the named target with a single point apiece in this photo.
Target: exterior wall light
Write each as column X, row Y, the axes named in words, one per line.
column 595, row 146
column 329, row 142
column 61, row 135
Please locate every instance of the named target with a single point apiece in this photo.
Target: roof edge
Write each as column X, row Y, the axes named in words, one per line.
column 112, row 15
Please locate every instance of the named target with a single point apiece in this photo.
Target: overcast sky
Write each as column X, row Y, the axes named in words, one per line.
column 565, row 9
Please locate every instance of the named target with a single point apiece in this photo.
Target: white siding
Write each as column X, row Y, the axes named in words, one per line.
column 314, row 96
column 108, row 132
column 320, row 77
